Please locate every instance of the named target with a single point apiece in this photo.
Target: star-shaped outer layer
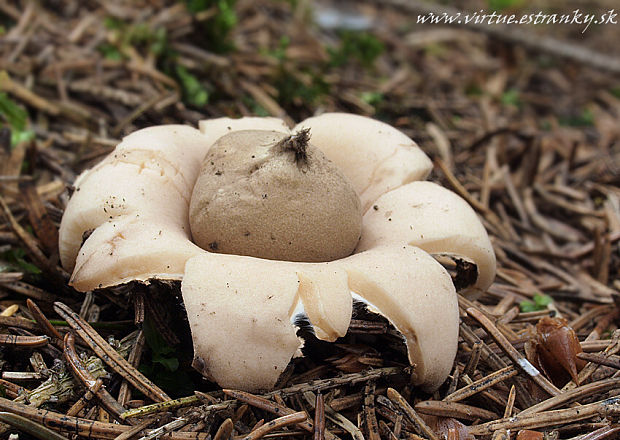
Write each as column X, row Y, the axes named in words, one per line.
column 128, row 221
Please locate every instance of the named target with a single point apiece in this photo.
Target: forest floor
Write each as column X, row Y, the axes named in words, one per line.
column 523, row 122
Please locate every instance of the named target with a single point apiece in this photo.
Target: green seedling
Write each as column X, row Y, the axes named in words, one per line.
column 540, row 302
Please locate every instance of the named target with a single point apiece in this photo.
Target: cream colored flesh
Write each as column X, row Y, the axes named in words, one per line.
column 229, row 299
column 433, row 218
column 416, row 294
column 132, row 249
column 139, row 178
column 240, row 318
column 374, row 156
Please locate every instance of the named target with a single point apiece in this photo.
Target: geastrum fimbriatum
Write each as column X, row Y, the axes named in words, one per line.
column 129, row 220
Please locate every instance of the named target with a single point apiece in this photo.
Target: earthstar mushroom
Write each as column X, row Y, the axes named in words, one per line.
column 128, row 220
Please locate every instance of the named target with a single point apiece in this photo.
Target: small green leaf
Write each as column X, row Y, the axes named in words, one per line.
column 195, row 6
column 215, row 30
column 279, row 53
column 291, row 90
column 193, row 91
column 113, row 23
column 15, row 115
column 16, row 121
column 254, row 106
column 511, row 97
column 540, row 302
column 584, row 119
column 527, row 306
column 228, row 16
column 159, row 45
column 163, row 361
column 110, row 52
column 362, row 46
column 15, row 258
column 155, row 340
column 21, row 136
column 372, row 98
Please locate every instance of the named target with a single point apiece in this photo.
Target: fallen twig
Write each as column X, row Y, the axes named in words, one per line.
column 290, row 419
column 604, row 408
column 421, row 427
